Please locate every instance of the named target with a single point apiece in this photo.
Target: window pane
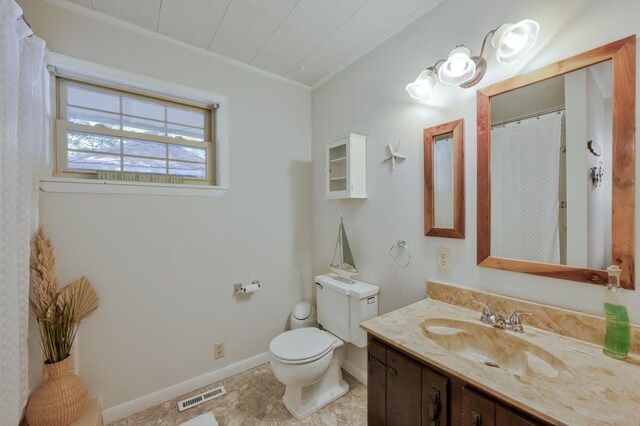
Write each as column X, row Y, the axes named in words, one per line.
column 92, row 99
column 198, row 170
column 179, row 152
column 144, row 165
column 143, row 148
column 92, row 161
column 186, row 117
column 93, row 118
column 142, row 109
column 140, row 125
column 89, row 142
column 190, row 133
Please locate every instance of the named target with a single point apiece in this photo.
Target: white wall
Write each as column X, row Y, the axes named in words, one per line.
column 369, row 98
column 164, row 267
column 600, row 131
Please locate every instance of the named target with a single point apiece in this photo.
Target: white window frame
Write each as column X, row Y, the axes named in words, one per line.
column 59, row 180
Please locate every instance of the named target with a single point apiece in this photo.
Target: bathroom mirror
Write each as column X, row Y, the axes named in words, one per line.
column 548, row 204
column 444, row 180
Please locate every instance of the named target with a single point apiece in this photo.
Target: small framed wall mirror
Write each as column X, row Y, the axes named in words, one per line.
column 444, row 180
column 556, row 168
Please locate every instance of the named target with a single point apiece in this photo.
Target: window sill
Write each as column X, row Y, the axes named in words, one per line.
column 89, row 186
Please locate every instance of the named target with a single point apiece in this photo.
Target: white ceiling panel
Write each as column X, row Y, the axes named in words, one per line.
column 319, row 17
column 246, row 22
column 308, row 75
column 275, row 35
column 193, row 21
column 354, row 4
column 139, row 12
column 292, row 41
column 362, row 30
column 279, row 8
column 85, row 3
column 238, row 48
column 328, row 54
column 274, row 61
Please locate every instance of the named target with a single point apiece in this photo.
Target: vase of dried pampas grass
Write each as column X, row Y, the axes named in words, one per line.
column 60, row 399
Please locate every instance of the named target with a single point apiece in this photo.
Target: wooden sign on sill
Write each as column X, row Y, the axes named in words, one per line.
column 139, row 177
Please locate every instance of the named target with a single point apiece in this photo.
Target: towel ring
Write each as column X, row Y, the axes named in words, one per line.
column 400, row 244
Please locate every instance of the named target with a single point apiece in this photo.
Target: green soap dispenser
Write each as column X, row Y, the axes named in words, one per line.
column 617, row 337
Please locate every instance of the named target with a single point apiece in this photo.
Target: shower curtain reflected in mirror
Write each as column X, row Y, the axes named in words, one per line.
column 525, row 174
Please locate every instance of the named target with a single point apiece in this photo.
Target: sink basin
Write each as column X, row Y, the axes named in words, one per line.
column 492, row 347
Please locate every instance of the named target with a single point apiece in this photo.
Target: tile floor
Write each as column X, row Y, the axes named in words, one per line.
column 254, row 397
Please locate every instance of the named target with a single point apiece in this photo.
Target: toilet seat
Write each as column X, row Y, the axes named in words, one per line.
column 302, row 345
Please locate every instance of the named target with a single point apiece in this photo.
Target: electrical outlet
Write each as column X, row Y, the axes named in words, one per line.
column 444, row 259
column 218, row 350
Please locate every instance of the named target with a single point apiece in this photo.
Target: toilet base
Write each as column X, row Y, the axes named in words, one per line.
column 302, row 401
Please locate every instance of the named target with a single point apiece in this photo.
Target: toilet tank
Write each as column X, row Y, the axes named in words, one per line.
column 343, row 306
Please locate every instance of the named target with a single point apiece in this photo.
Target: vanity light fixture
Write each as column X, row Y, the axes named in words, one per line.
column 458, row 68
column 510, row 42
column 422, row 88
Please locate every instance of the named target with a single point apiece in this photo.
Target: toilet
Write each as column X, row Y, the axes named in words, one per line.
column 308, row 360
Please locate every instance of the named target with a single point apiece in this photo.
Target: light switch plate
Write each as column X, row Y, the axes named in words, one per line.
column 444, row 259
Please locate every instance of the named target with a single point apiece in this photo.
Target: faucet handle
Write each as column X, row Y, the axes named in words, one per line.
column 514, row 321
column 486, row 311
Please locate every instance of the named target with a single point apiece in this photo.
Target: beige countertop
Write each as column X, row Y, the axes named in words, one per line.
column 592, row 389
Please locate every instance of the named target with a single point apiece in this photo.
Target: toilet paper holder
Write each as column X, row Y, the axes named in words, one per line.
column 243, row 288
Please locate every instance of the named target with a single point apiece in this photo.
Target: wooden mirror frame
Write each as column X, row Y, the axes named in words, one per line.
column 622, row 53
column 455, row 127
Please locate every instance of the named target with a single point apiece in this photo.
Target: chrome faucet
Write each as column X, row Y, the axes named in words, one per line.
column 514, row 321
column 497, row 319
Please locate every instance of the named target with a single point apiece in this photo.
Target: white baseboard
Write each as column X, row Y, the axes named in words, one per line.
column 147, row 401
column 359, row 374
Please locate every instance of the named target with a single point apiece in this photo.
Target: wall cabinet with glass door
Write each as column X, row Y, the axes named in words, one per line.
column 346, row 167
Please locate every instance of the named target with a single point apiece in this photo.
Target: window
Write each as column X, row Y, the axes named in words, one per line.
column 101, row 128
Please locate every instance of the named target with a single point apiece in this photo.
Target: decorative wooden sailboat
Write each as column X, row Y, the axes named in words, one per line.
column 343, row 263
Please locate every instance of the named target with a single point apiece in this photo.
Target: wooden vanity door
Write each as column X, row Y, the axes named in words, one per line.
column 506, row 417
column 435, row 398
column 393, row 388
column 404, row 386
column 377, row 385
column 477, row 410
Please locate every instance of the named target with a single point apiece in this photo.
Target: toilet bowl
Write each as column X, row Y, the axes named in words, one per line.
column 308, row 360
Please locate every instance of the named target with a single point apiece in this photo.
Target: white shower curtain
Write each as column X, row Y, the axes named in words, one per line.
column 525, row 173
column 22, row 120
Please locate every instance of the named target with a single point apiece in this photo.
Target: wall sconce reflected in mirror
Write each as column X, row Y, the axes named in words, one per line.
column 510, row 42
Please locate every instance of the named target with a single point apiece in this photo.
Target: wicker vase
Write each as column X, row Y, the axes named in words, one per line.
column 60, row 399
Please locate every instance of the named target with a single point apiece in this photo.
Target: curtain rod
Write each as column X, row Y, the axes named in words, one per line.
column 527, row 116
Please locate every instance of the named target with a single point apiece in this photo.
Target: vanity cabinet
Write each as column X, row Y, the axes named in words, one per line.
column 404, row 391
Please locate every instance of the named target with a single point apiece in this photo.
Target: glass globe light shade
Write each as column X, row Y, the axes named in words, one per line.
column 458, row 68
column 422, row 88
column 512, row 41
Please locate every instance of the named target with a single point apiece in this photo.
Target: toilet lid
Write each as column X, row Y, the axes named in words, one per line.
column 301, row 343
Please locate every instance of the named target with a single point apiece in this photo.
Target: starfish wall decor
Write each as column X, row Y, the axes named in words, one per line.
column 394, row 155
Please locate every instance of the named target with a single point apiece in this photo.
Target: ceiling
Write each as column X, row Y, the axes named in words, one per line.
column 307, row 41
